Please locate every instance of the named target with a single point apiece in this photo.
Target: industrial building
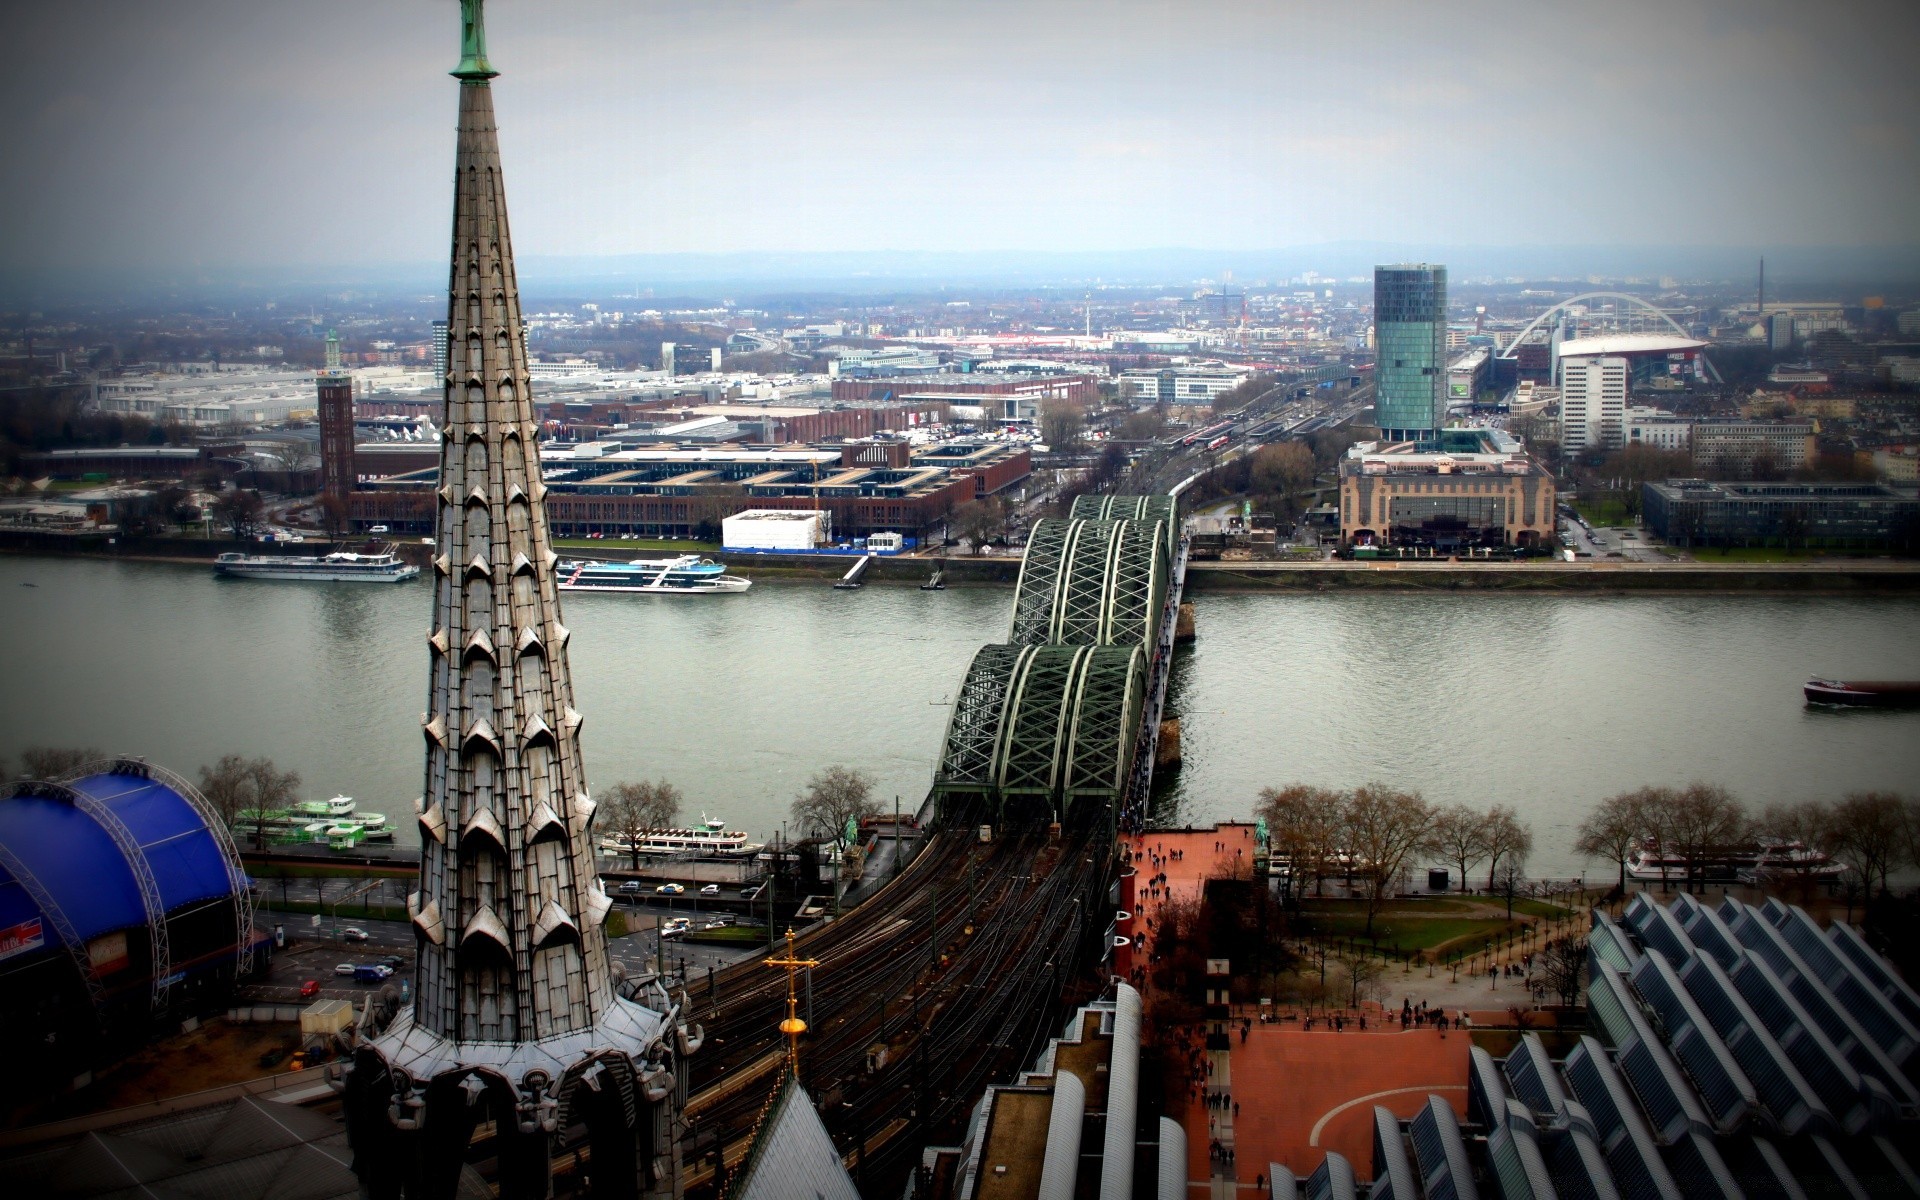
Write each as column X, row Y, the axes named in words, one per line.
column 1410, row 344
column 122, row 905
column 1849, row 516
column 614, row 490
column 1007, row 396
column 221, row 400
column 1466, row 489
column 1147, row 387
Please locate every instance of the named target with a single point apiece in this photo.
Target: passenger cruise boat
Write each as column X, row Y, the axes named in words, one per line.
column 342, row 566
column 1651, row 864
column 711, row 837
column 689, row 573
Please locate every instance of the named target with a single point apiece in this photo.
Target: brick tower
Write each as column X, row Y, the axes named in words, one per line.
column 515, row 1019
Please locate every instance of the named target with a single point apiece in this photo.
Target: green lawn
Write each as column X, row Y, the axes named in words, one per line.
column 1537, row 908
column 635, row 544
column 1603, row 512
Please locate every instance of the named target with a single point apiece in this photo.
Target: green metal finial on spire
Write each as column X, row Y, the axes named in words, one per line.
column 473, row 44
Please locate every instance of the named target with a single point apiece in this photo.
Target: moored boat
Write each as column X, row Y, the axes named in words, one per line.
column 1652, row 863
column 1863, row 693
column 687, row 574
column 711, row 837
column 342, row 566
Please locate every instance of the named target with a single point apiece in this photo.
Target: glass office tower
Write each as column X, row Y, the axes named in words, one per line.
column 1410, row 348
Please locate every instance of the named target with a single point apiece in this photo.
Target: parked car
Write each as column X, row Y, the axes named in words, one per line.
column 353, row 933
column 675, row 927
column 309, row 988
column 345, row 969
column 631, row 885
column 670, row 889
column 395, row 961
column 377, row 529
column 712, row 889
column 371, row 972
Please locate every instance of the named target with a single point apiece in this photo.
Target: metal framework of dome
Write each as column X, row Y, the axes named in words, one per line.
column 514, row 1021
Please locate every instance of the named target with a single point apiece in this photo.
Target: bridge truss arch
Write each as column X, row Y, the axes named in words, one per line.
column 1051, row 725
column 1092, row 583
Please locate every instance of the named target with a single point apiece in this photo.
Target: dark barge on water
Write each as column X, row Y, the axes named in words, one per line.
column 1857, row 693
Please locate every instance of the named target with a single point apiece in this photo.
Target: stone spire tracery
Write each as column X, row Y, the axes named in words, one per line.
column 514, row 1017
column 510, row 907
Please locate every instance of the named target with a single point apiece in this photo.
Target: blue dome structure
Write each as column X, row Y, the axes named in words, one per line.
column 119, row 887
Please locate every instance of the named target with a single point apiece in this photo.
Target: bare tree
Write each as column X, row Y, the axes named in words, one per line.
column 1383, row 828
column 273, row 790
column 977, row 521
column 1807, row 822
column 1364, row 970
column 333, row 512
column 51, row 762
column 1563, row 967
column 632, row 810
column 1304, row 823
column 1282, row 471
column 1614, row 828
column 1061, row 424
column 296, row 454
column 1505, row 836
column 835, row 796
column 1460, row 833
column 1661, row 810
column 1871, row 835
column 240, row 511
column 1510, row 878
column 1706, row 822
column 228, row 786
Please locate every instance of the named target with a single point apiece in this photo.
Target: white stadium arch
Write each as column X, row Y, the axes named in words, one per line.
column 1512, row 347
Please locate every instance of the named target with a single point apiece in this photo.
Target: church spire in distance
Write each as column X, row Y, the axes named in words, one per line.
column 514, row 1014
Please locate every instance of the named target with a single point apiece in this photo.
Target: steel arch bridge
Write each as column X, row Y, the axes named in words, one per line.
column 1048, row 725
column 1092, row 583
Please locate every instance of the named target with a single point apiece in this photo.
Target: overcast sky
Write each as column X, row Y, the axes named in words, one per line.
column 221, row 134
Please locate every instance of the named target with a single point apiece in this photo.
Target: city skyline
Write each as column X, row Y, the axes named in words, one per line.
column 214, row 137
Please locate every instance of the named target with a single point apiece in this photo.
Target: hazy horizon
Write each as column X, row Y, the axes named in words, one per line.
column 217, row 140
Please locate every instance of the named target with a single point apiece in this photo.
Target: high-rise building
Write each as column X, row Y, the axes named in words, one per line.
column 1780, row 331
column 1410, row 350
column 514, row 1022
column 440, row 352
column 1593, row 404
column 666, row 357
column 335, row 387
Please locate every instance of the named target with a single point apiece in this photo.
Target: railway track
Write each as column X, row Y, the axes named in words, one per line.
column 952, row 976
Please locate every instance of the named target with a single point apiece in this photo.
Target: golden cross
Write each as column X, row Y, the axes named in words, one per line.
column 793, row 1026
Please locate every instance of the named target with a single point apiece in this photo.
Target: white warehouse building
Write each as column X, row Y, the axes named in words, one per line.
column 776, row 529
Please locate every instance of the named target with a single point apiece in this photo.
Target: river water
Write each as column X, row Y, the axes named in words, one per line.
column 1546, row 703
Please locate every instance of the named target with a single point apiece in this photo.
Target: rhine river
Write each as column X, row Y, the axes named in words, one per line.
column 1545, row 703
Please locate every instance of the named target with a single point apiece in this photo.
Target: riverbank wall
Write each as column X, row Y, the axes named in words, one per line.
column 888, row 569
column 1844, row 577
column 1815, row 577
